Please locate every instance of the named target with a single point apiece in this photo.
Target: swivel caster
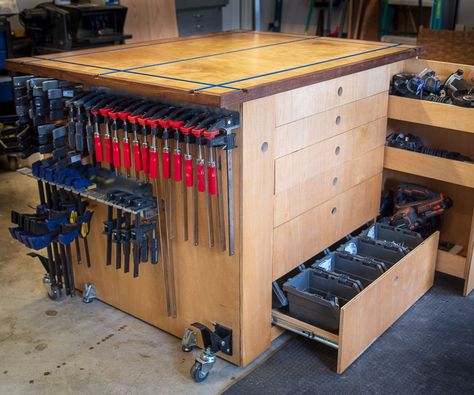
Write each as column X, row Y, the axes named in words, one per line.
column 203, row 365
column 89, row 293
column 189, row 340
column 219, row 340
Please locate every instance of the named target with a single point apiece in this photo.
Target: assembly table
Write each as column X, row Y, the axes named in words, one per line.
column 308, row 171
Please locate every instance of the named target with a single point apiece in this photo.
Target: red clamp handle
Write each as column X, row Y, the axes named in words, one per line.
column 133, row 119
column 178, row 173
column 105, row 111
column 187, row 130
column 146, row 160
column 153, row 123
column 211, row 180
column 176, row 124
column 188, row 172
column 116, row 154
column 123, row 115
column 201, row 180
column 142, row 121
column 108, row 150
column 127, row 159
column 210, row 134
column 98, row 149
column 153, row 165
column 165, row 124
column 198, row 132
column 166, row 165
column 137, row 156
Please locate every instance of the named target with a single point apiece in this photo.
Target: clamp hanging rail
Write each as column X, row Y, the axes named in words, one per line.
column 99, row 196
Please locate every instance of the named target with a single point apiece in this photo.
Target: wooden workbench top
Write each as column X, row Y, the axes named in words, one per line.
column 218, row 69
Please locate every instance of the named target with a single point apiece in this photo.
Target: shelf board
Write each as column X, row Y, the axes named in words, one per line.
column 432, row 114
column 448, row 170
column 454, row 265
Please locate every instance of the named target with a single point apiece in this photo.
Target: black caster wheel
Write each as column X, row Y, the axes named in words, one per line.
column 197, row 373
column 186, row 348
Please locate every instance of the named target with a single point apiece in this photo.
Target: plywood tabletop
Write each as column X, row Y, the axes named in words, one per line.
column 218, row 69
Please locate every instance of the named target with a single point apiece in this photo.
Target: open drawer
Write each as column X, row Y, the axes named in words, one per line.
column 369, row 314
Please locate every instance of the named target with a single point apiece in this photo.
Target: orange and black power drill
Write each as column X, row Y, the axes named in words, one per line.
column 415, row 205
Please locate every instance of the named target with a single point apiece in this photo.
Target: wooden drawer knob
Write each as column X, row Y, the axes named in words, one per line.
column 338, row 120
column 334, row 211
column 340, row 91
column 337, row 151
column 334, row 181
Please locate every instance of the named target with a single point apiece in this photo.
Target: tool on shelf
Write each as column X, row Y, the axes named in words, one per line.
column 414, row 143
column 414, row 207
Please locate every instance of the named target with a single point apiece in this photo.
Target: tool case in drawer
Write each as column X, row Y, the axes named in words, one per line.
column 384, row 232
column 363, row 269
column 387, row 252
column 315, row 296
column 373, row 310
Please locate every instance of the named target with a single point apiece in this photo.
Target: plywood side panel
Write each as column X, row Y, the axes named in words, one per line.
column 304, row 236
column 304, row 102
column 195, row 268
column 294, row 169
column 313, row 129
column 258, row 126
column 316, row 190
column 150, row 19
column 371, row 312
column 469, row 273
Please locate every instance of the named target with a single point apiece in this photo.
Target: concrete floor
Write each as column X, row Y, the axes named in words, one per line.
column 69, row 347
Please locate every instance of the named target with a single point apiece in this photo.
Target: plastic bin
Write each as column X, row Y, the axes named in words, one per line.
column 402, row 237
column 381, row 250
column 360, row 268
column 315, row 296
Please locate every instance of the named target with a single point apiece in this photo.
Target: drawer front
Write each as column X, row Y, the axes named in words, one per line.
column 379, row 305
column 314, row 191
column 306, row 235
column 300, row 166
column 199, row 21
column 309, row 100
column 305, row 132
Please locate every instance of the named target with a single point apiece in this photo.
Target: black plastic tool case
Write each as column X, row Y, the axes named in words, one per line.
column 390, row 233
column 315, row 296
column 364, row 269
column 381, row 250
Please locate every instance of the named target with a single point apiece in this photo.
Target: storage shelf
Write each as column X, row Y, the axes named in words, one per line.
column 448, row 170
column 430, row 113
column 454, row 265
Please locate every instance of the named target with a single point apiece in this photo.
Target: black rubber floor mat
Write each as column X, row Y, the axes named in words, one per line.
column 429, row 350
